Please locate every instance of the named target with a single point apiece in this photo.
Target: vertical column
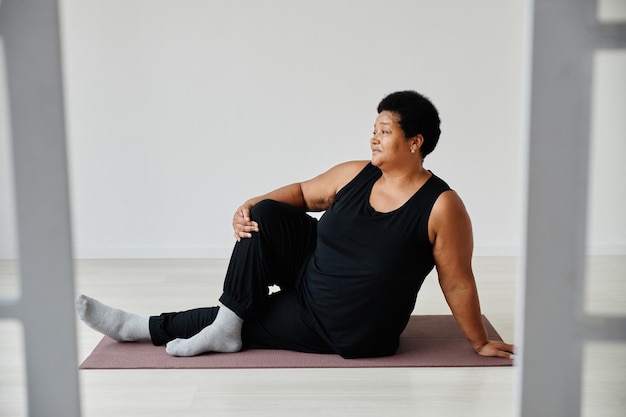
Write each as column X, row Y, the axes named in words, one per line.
column 557, row 191
column 553, row 325
column 30, row 30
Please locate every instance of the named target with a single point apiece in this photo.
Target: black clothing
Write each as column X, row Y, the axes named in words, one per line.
column 368, row 266
column 276, row 255
column 348, row 282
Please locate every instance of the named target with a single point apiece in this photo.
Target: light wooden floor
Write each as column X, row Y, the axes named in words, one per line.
column 152, row 286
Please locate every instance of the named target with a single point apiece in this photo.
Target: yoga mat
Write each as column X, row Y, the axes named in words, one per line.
column 428, row 341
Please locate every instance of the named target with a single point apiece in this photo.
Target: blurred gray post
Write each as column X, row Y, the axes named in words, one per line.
column 553, row 325
column 30, row 31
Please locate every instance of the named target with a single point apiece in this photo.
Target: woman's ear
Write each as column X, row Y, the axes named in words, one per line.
column 418, row 141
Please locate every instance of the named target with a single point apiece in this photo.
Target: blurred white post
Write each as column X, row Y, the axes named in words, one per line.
column 553, row 325
column 30, row 31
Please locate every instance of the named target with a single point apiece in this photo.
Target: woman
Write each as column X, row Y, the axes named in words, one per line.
column 348, row 282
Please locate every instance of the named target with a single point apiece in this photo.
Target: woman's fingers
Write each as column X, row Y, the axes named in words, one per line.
column 499, row 349
column 245, row 231
column 242, row 225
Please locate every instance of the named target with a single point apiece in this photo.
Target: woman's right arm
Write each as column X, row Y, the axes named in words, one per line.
column 244, row 226
column 316, row 194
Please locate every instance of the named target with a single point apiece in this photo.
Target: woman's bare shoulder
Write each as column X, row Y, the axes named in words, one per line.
column 350, row 168
column 343, row 173
column 319, row 192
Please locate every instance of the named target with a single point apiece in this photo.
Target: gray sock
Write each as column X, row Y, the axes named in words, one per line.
column 117, row 324
column 223, row 335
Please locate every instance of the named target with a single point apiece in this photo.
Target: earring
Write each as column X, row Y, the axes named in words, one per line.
column 412, row 150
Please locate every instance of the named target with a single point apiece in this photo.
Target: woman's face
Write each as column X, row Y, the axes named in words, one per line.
column 388, row 143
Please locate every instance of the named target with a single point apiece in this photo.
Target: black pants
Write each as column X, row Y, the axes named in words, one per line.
column 276, row 255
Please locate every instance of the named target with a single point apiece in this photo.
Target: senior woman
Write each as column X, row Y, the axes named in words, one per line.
column 348, row 282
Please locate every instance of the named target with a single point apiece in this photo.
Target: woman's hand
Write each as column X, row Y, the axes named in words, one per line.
column 242, row 225
column 499, row 349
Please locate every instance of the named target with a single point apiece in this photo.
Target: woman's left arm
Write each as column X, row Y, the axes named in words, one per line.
column 450, row 230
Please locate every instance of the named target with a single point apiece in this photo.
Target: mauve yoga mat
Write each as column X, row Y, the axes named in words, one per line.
column 428, row 341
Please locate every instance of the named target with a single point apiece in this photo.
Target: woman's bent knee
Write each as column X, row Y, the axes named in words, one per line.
column 271, row 210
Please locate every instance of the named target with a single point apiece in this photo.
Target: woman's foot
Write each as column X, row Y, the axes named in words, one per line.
column 223, row 335
column 117, row 324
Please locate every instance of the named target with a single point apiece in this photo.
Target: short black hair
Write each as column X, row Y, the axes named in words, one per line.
column 417, row 115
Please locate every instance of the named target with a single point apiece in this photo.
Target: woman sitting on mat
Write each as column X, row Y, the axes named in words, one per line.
column 348, row 282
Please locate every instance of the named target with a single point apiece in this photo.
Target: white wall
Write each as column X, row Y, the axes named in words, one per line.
column 179, row 111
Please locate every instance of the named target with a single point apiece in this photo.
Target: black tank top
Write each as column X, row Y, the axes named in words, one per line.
column 362, row 281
